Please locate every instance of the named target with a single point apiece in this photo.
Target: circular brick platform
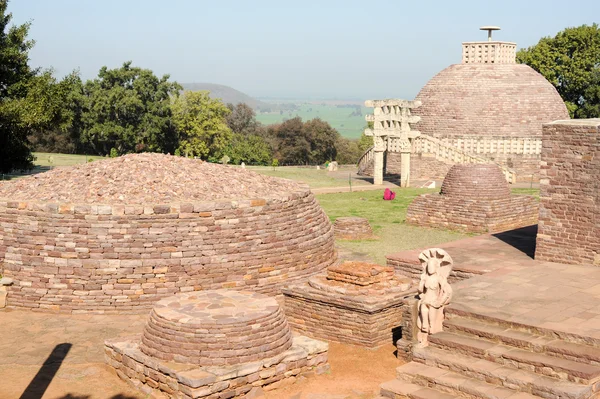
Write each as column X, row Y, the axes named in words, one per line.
column 475, row 181
column 117, row 235
column 214, row 328
column 352, row 228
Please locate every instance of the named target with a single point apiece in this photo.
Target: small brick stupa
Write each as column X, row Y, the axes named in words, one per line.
column 220, row 343
column 474, row 198
column 356, row 303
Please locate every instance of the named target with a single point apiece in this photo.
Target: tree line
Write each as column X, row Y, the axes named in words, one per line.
column 130, row 109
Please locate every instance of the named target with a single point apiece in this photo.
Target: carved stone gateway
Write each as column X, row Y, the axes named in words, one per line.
column 434, row 292
column 392, row 132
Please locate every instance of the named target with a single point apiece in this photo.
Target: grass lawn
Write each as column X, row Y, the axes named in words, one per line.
column 315, row 178
column 50, row 159
column 387, row 219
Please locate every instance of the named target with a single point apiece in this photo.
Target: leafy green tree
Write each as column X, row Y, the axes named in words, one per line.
column 293, row 146
column 58, row 105
column 129, row 109
column 570, row 61
column 201, row 124
column 250, row 149
column 322, row 138
column 15, row 73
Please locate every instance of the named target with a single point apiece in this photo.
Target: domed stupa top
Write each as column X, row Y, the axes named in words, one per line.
column 488, row 94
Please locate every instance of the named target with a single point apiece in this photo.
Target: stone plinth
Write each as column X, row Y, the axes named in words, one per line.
column 115, row 236
column 474, row 198
column 214, row 344
column 356, row 303
column 569, row 227
column 213, row 328
column 352, row 228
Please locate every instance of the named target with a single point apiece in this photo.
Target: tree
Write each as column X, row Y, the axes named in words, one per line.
column 15, row 73
column 242, row 119
column 293, row 146
column 570, row 61
column 201, row 124
column 128, row 109
column 322, row 138
column 250, row 149
column 59, row 105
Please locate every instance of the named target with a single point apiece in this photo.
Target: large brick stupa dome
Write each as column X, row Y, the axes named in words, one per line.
column 488, row 94
column 118, row 235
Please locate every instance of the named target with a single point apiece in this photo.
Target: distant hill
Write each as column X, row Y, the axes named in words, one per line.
column 228, row 95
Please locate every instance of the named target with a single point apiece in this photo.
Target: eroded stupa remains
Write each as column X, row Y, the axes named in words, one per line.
column 352, row 228
column 215, row 344
column 117, row 235
column 356, row 303
column 474, row 198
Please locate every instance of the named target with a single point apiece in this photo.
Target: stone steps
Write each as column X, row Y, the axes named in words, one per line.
column 397, row 389
column 524, row 339
column 502, row 376
column 475, row 357
column 455, row 384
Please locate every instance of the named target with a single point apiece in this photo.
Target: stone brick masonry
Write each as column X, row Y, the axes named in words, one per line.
column 569, row 226
column 123, row 258
column 473, row 198
column 364, row 309
column 352, row 228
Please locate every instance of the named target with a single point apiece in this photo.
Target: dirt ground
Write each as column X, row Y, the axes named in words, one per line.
column 56, row 356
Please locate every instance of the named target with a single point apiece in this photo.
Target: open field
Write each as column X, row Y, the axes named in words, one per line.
column 344, row 118
column 387, row 219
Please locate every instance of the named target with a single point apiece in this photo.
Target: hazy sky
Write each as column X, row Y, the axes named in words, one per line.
column 301, row 48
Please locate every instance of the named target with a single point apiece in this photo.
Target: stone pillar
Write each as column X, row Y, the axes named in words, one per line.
column 378, row 168
column 405, row 168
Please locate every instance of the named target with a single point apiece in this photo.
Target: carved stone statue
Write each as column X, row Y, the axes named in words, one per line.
column 434, row 292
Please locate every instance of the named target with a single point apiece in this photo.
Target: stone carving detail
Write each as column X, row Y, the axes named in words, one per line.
column 392, row 121
column 434, row 292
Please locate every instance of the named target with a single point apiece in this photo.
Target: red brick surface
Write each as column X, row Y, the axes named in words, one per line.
column 121, row 258
column 569, row 227
column 483, row 99
column 473, row 198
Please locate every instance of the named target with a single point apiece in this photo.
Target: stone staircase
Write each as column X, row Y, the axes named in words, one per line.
column 443, row 152
column 477, row 357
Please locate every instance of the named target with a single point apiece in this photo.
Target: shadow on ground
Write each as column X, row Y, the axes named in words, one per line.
column 522, row 239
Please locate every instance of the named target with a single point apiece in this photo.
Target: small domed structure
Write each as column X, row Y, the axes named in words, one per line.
column 118, row 235
column 216, row 328
column 473, row 198
column 475, row 181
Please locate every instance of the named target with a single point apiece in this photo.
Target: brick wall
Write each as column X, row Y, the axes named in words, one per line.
column 569, row 226
column 343, row 318
column 473, row 198
column 103, row 259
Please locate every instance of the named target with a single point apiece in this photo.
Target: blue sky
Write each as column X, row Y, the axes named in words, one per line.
column 299, row 49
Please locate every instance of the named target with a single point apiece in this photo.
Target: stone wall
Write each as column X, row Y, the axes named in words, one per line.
column 344, row 319
column 161, row 379
column 96, row 258
column 473, row 216
column 569, row 226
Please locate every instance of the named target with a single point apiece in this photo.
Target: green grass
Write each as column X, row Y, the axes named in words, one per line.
column 315, row 178
column 387, row 219
column 527, row 191
column 50, row 159
column 339, row 118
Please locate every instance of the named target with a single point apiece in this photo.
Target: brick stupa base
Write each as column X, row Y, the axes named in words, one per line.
column 355, row 303
column 215, row 344
column 474, row 198
column 352, row 228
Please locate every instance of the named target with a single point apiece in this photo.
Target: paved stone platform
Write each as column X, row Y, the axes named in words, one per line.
column 476, row 255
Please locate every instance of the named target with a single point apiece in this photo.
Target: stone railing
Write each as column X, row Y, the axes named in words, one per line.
column 365, row 159
column 496, row 145
column 425, row 144
column 446, row 152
